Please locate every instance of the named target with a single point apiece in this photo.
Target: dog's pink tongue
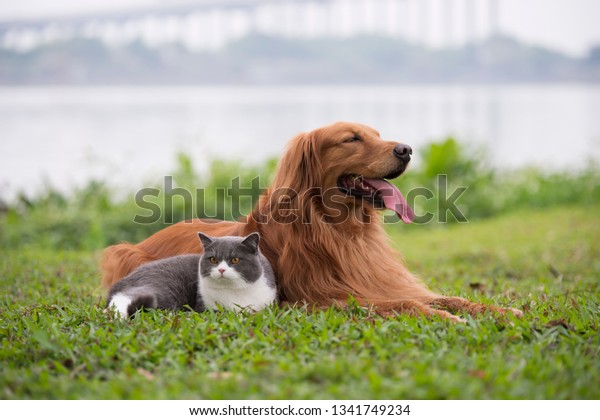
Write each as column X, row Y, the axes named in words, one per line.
column 392, row 198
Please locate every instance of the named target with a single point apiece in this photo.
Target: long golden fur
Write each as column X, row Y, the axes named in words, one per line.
column 324, row 245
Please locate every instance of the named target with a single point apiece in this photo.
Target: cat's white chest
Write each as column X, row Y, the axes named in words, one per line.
column 236, row 294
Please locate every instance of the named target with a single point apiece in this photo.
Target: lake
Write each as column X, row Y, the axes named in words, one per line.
column 129, row 136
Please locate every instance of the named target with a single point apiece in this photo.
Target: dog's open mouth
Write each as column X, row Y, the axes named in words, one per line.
column 379, row 192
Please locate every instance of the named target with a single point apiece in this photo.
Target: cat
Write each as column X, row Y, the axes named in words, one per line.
column 231, row 273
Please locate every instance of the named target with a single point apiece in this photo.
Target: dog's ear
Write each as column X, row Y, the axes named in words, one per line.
column 310, row 163
column 300, row 164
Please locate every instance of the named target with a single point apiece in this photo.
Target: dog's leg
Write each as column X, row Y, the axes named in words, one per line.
column 458, row 304
column 392, row 309
column 415, row 308
column 418, row 308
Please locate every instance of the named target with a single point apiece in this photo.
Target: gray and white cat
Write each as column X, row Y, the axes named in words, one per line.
column 232, row 272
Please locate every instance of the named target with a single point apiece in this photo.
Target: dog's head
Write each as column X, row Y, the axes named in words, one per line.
column 349, row 164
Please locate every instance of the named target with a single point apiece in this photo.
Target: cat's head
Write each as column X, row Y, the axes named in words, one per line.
column 230, row 260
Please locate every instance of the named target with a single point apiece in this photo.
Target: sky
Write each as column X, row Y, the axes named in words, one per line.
column 570, row 26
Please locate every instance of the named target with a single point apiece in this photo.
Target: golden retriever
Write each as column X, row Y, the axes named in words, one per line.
column 320, row 229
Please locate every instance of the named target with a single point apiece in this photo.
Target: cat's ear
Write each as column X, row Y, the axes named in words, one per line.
column 205, row 239
column 252, row 241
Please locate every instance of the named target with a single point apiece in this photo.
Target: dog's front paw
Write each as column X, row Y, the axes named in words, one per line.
column 516, row 312
column 457, row 319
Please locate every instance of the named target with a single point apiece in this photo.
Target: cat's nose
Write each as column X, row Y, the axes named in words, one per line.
column 221, row 270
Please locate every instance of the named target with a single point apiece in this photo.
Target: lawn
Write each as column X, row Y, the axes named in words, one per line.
column 57, row 342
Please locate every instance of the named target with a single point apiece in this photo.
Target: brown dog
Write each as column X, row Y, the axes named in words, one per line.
column 320, row 229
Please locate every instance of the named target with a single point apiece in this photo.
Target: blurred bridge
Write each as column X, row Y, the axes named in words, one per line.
column 211, row 24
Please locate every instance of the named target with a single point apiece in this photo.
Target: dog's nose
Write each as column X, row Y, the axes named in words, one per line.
column 402, row 151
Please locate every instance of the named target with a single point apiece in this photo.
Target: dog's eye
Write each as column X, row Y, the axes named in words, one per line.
column 352, row 139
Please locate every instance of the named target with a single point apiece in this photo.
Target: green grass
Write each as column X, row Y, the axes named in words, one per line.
column 56, row 341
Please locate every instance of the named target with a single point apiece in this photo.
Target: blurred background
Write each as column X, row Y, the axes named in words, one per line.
column 115, row 89
column 114, row 95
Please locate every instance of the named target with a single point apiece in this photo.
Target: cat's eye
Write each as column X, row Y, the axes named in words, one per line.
column 235, row 260
column 213, row 260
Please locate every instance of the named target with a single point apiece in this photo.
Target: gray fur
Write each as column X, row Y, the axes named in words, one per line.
column 172, row 283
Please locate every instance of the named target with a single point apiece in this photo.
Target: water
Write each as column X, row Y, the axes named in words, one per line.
column 130, row 135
